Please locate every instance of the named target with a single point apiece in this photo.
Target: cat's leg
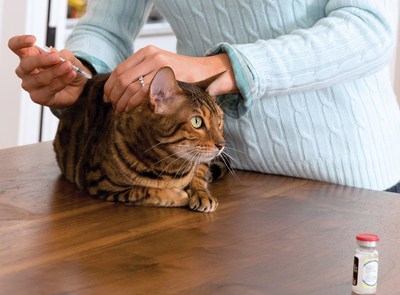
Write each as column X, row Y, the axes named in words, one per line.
column 200, row 198
column 145, row 196
column 164, row 198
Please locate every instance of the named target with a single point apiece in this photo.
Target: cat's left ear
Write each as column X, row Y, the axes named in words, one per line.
column 163, row 90
column 211, row 82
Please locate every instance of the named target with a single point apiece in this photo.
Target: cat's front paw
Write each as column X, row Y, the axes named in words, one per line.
column 203, row 203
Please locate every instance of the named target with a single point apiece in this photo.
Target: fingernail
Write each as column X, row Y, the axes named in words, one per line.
column 52, row 57
column 71, row 74
column 30, row 39
column 67, row 66
column 105, row 99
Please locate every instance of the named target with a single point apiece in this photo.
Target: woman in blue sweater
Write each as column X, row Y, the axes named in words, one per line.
column 306, row 91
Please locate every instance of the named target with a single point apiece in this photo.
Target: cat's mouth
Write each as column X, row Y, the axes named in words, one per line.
column 207, row 156
column 201, row 156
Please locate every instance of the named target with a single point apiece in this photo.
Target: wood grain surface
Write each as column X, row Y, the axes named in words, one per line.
column 270, row 235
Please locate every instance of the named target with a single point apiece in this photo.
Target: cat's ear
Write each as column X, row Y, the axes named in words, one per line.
column 211, row 82
column 163, row 88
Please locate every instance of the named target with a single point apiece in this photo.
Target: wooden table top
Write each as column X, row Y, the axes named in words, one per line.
column 270, row 235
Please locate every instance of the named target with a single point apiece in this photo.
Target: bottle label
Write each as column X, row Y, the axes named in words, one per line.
column 365, row 273
column 370, row 273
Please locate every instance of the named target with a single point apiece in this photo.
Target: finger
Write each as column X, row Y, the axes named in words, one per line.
column 17, row 43
column 46, row 76
column 46, row 95
column 134, row 101
column 115, row 88
column 108, row 86
column 125, row 67
column 129, row 93
column 119, row 87
column 29, row 64
column 45, row 59
column 111, row 83
column 68, row 55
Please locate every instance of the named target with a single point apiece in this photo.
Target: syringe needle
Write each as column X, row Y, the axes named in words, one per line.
column 77, row 69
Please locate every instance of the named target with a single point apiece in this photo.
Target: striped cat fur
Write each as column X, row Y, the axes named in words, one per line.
column 157, row 155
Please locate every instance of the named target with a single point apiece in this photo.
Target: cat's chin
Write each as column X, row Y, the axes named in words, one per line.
column 207, row 157
column 199, row 158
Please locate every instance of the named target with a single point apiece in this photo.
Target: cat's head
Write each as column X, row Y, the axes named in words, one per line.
column 188, row 121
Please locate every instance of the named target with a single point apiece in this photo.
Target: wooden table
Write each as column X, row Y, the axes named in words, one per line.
column 270, row 235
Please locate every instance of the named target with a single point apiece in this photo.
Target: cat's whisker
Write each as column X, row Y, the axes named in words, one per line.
column 166, row 168
column 154, row 146
column 220, row 151
column 195, row 159
column 187, row 163
column 234, row 160
column 166, row 158
column 235, row 150
column 177, row 159
column 198, row 155
column 226, row 162
column 170, row 156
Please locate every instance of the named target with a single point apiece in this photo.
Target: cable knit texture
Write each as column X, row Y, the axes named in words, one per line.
column 315, row 96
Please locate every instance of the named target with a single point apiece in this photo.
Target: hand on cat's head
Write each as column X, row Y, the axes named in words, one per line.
column 164, row 88
column 129, row 82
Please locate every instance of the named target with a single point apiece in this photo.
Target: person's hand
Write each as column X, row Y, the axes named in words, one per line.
column 125, row 90
column 48, row 81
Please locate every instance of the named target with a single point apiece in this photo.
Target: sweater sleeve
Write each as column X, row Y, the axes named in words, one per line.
column 104, row 35
column 355, row 39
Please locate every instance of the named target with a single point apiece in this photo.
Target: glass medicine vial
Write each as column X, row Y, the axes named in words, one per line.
column 366, row 262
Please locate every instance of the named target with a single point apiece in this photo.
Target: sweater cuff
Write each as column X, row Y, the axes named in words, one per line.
column 236, row 105
column 94, row 63
column 87, row 64
column 84, row 59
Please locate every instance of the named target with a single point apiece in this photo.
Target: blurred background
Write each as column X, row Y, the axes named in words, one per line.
column 51, row 21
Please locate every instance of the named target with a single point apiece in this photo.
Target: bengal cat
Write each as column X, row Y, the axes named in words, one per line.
column 157, row 155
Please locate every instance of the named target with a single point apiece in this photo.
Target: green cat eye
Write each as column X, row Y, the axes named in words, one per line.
column 196, row 122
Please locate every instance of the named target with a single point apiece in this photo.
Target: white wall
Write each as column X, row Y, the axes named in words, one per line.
column 1, row 15
column 396, row 63
column 11, row 88
column 17, row 111
column 19, row 116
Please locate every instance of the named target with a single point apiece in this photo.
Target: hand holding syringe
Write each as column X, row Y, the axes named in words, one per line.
column 77, row 69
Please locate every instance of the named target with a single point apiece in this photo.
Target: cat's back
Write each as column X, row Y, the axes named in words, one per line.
column 80, row 129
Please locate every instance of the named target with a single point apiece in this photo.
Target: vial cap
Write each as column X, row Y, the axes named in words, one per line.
column 367, row 238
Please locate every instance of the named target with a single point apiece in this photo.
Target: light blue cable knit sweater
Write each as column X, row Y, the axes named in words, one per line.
column 315, row 96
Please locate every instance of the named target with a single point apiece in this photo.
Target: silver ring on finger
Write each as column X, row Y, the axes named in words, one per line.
column 141, row 80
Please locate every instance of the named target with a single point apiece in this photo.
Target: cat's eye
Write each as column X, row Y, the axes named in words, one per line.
column 196, row 122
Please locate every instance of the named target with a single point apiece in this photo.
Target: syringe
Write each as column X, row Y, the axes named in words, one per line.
column 77, row 69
